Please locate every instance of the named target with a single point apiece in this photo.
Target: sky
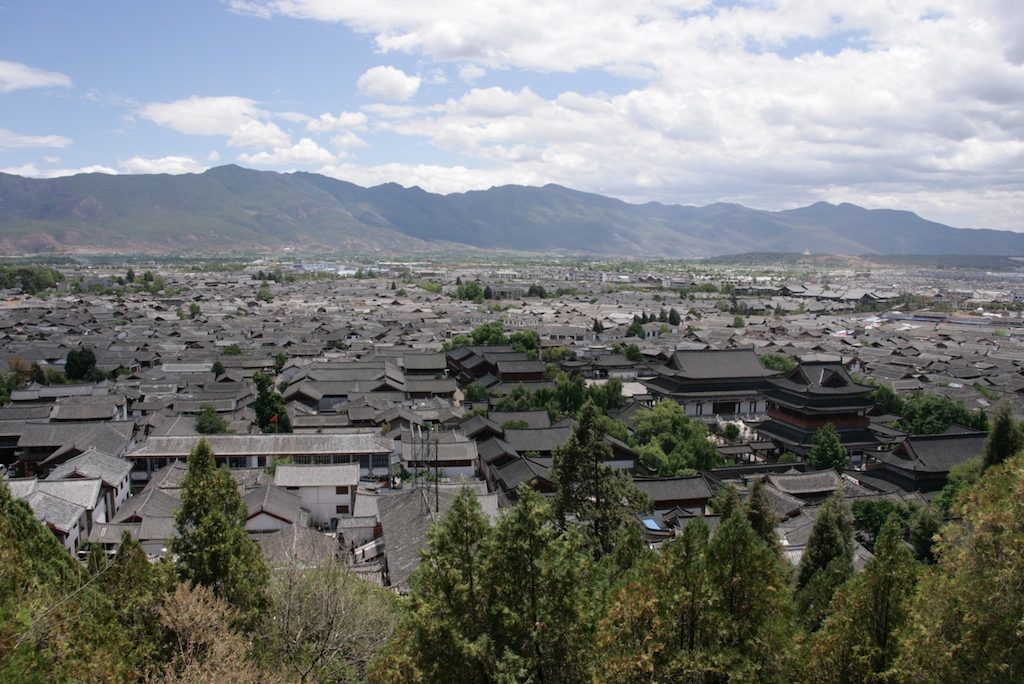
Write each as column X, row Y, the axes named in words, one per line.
column 774, row 104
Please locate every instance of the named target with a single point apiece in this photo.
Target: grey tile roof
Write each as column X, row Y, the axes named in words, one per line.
column 289, row 475
column 267, row 444
column 275, row 501
column 813, row 482
column 94, row 464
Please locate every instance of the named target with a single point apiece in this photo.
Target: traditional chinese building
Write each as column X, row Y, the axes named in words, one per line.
column 812, row 396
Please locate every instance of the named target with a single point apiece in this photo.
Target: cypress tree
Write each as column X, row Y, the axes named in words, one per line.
column 212, row 546
column 1005, row 438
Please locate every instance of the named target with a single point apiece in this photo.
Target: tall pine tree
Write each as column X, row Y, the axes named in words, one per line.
column 212, row 546
column 604, row 500
column 827, row 560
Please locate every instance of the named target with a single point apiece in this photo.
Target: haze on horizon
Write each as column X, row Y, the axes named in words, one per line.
column 769, row 104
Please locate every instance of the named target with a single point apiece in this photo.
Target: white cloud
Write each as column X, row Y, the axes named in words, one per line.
column 498, row 102
column 170, row 164
column 222, row 115
column 259, row 134
column 29, row 170
column 304, row 152
column 471, row 72
column 768, row 103
column 347, row 140
column 17, row 76
column 388, row 83
column 32, row 171
column 213, row 156
column 11, row 140
column 330, row 122
column 430, row 177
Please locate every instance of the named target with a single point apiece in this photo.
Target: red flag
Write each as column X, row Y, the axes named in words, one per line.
column 273, row 418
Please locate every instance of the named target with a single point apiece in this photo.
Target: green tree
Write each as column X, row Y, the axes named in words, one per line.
column 635, row 329
column 538, row 594
column 888, row 400
column 488, row 293
column 1004, row 439
column 597, row 327
column 857, row 641
column 869, row 514
column 279, row 361
column 56, row 623
column 469, row 292
column 658, row 628
column 932, row 414
column 445, row 634
column 80, row 364
column 965, row 617
column 673, row 317
column 779, row 362
column 264, row 294
column 537, row 291
column 753, row 609
column 731, row 432
column 604, row 500
column 209, row 422
column 194, row 310
column 827, row 451
column 670, row 442
column 761, row 516
column 827, row 561
column 130, row 275
column 738, row 322
column 925, row 524
column 608, row 395
column 632, row 352
column 232, row 350
column 217, row 369
column 524, row 341
column 212, row 546
column 476, row 392
column 271, row 413
column 960, row 478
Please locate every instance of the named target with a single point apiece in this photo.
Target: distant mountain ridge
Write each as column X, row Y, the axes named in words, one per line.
column 229, row 208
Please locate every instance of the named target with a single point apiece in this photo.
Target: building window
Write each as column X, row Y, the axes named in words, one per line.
column 341, row 509
column 341, row 491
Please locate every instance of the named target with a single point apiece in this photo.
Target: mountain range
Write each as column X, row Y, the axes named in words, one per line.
column 229, row 208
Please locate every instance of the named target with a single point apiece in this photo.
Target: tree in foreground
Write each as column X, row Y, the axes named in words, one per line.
column 589, row 491
column 965, row 618
column 55, row 624
column 445, row 634
column 324, row 623
column 504, row 603
column 212, row 546
column 1004, row 439
column 710, row 610
column 857, row 641
column 205, row 646
column 761, row 516
column 827, row 450
column 827, row 561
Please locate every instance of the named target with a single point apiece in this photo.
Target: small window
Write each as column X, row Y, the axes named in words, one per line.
column 341, row 510
column 341, row 491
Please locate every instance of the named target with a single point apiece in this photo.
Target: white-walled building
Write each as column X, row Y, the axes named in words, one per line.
column 326, row 491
